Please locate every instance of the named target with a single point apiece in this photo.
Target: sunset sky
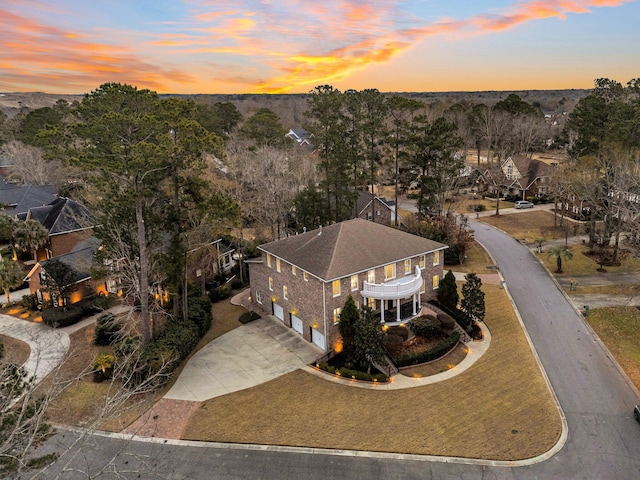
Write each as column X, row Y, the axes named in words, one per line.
column 290, row 46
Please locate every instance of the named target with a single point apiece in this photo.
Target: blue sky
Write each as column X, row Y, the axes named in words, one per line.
column 290, row 46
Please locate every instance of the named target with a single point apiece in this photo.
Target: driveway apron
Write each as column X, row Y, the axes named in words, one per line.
column 242, row 358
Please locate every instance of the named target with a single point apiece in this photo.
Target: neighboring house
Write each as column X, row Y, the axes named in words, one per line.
column 383, row 210
column 18, row 199
column 68, row 223
column 210, row 260
column 520, row 176
column 304, row 280
column 301, row 138
column 79, row 259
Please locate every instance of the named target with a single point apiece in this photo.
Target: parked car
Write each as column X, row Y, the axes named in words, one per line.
column 523, row 204
column 636, row 413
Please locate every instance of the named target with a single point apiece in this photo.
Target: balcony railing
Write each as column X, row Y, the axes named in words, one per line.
column 400, row 288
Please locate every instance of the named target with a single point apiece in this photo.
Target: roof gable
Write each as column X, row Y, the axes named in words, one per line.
column 62, row 216
column 345, row 248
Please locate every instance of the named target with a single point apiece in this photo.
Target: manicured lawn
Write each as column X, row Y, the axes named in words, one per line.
column 619, row 329
column 500, row 408
column 581, row 264
column 476, row 262
column 528, row 226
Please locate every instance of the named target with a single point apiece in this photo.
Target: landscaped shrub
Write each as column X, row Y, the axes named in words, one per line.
column 220, row 293
column 353, row 374
column 30, row 302
column 236, row 284
column 200, row 313
column 247, row 317
column 60, row 317
column 446, row 321
column 107, row 330
column 398, row 330
column 105, row 302
column 427, row 356
column 424, row 326
column 103, row 366
column 477, row 207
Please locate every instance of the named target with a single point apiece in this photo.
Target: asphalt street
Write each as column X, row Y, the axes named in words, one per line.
column 596, row 397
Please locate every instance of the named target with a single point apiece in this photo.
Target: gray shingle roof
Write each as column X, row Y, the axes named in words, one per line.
column 345, row 248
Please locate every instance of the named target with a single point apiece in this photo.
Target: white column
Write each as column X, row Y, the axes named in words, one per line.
column 413, row 302
column 397, row 310
column 381, row 311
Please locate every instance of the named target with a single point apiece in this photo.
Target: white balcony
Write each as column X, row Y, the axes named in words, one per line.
column 394, row 289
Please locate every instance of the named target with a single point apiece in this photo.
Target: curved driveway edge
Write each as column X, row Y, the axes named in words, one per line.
column 48, row 346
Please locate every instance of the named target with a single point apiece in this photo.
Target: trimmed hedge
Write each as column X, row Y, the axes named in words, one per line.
column 428, row 355
column 355, row 374
column 60, row 317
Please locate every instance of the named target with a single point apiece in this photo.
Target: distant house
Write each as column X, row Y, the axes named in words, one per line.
column 210, row 260
column 67, row 222
column 301, row 138
column 520, row 176
column 17, row 199
column 304, row 280
column 382, row 211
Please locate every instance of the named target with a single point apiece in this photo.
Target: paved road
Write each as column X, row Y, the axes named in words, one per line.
column 603, row 439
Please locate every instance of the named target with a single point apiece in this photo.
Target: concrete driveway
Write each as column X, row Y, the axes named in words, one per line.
column 246, row 356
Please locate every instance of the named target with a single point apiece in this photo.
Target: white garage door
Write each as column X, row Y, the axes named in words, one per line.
column 278, row 311
column 296, row 324
column 317, row 338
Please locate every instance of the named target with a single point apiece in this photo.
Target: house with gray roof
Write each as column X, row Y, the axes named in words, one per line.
column 17, row 199
column 67, row 222
column 79, row 259
column 304, row 280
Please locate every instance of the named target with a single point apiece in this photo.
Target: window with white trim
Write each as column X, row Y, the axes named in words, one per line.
column 436, row 257
column 422, row 261
column 354, row 282
column 371, row 276
column 306, row 276
column 259, row 297
column 268, row 260
column 371, row 303
column 390, row 271
column 278, row 265
column 335, row 287
column 407, row 267
column 294, row 270
column 336, row 315
column 435, row 282
column 271, row 284
column 285, row 292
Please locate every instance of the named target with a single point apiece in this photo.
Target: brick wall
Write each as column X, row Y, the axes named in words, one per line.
column 305, row 297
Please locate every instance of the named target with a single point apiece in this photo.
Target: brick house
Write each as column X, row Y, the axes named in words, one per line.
column 304, row 280
column 383, row 210
column 80, row 259
column 68, row 223
column 521, row 176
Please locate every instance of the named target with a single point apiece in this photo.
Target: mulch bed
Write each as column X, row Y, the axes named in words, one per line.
column 415, row 345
